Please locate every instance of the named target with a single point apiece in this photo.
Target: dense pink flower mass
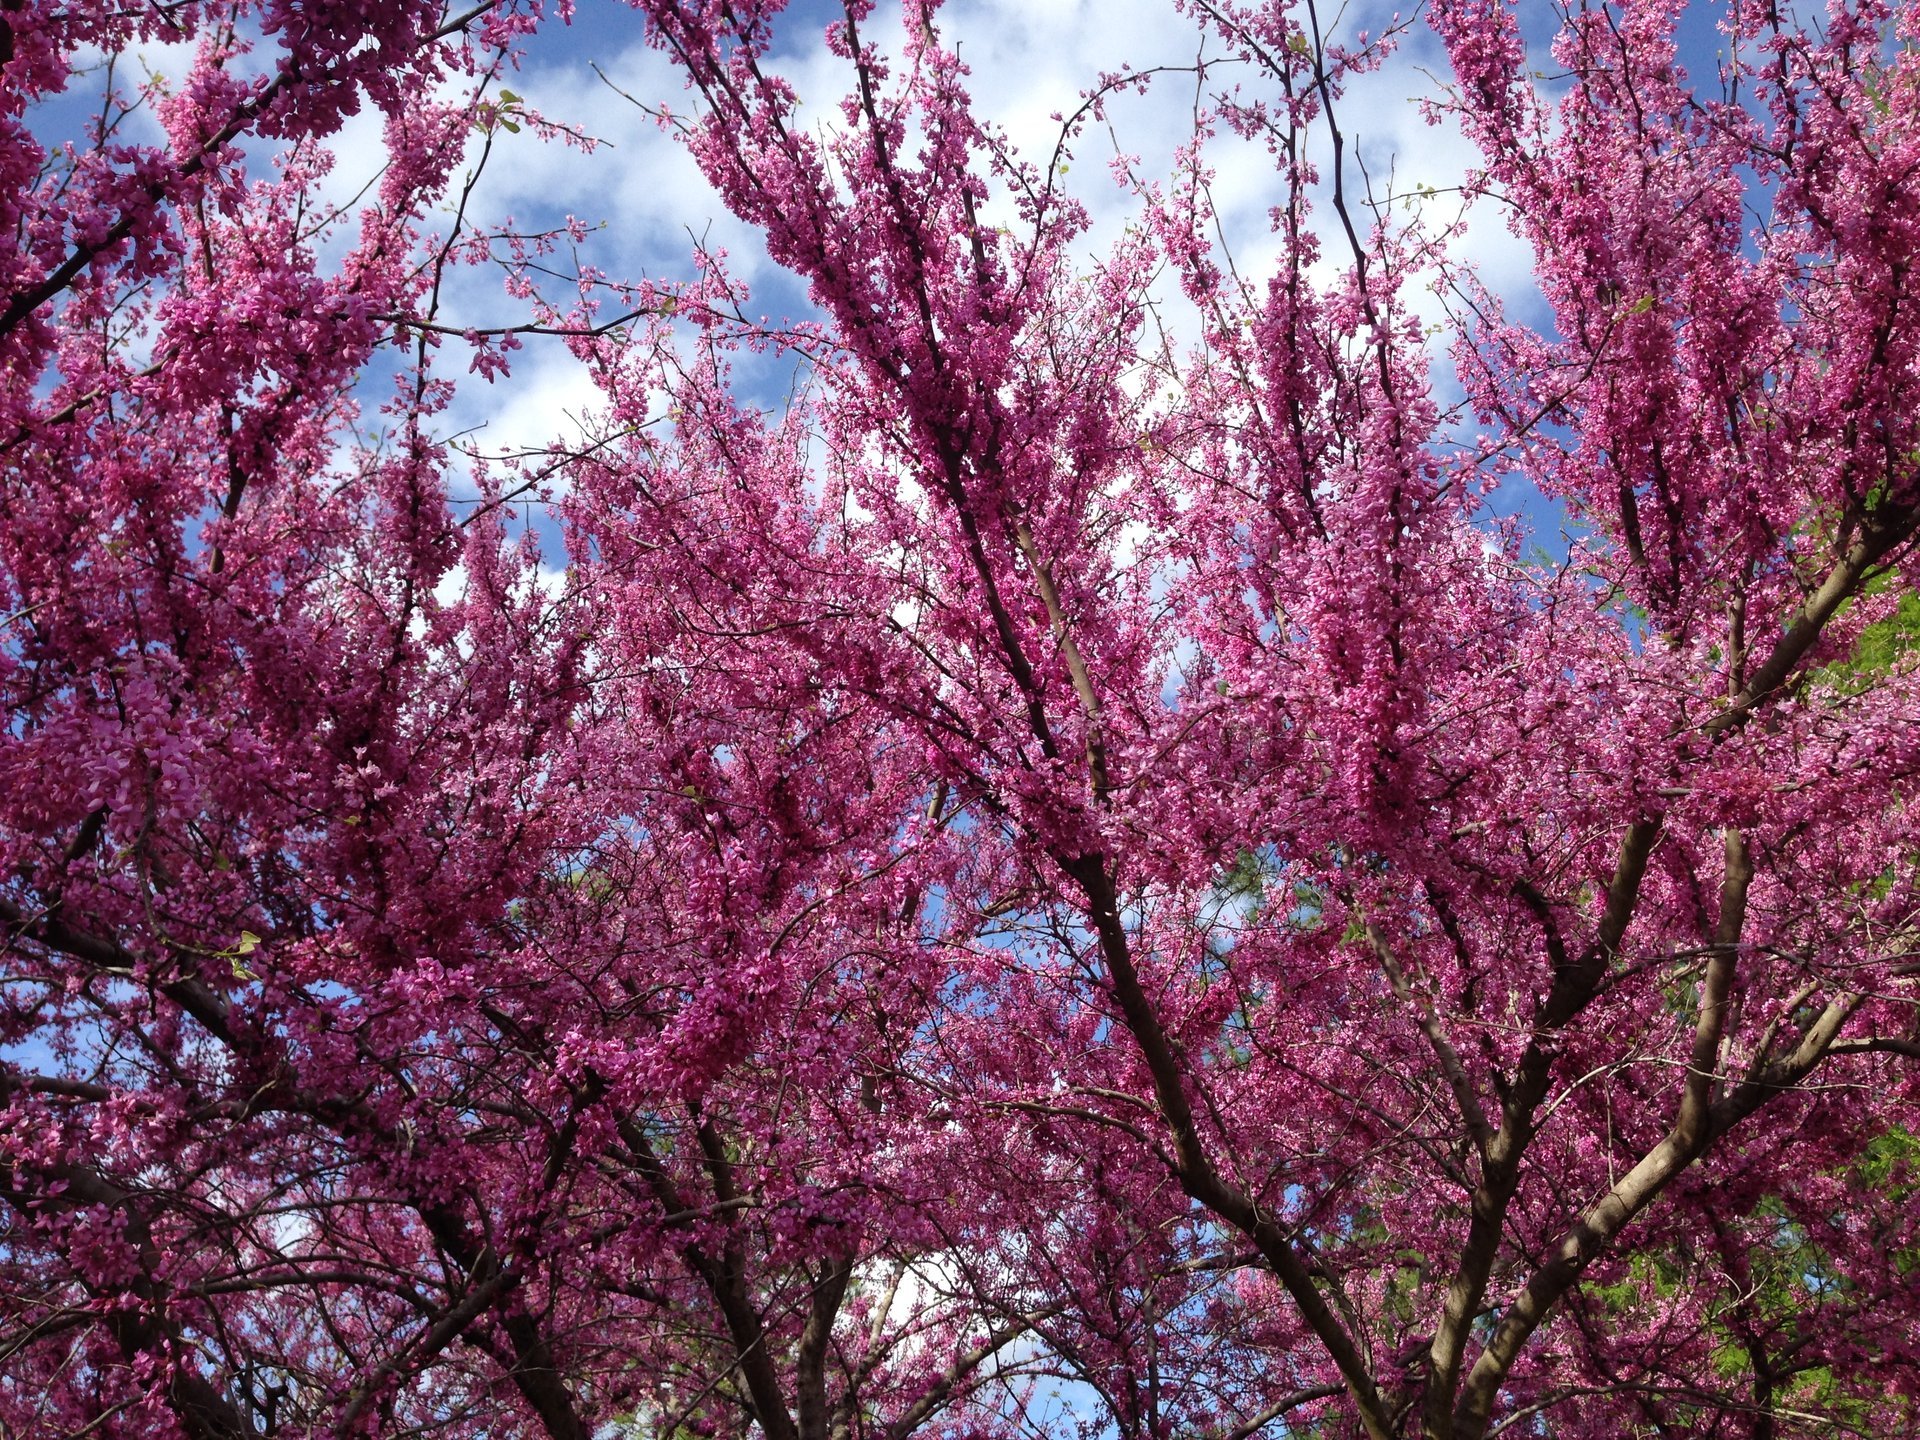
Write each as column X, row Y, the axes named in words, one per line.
column 1065, row 879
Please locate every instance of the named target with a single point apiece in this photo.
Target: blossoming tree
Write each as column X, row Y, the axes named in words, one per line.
column 1067, row 879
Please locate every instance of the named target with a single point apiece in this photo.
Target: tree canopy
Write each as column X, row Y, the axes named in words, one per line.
column 1066, row 875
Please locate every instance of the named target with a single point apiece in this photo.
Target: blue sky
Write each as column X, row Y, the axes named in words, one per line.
column 646, row 201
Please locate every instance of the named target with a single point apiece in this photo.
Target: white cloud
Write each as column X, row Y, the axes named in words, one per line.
column 550, row 398
column 1029, row 61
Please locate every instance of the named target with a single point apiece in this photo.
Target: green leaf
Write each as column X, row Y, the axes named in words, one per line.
column 1882, row 648
column 246, row 945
